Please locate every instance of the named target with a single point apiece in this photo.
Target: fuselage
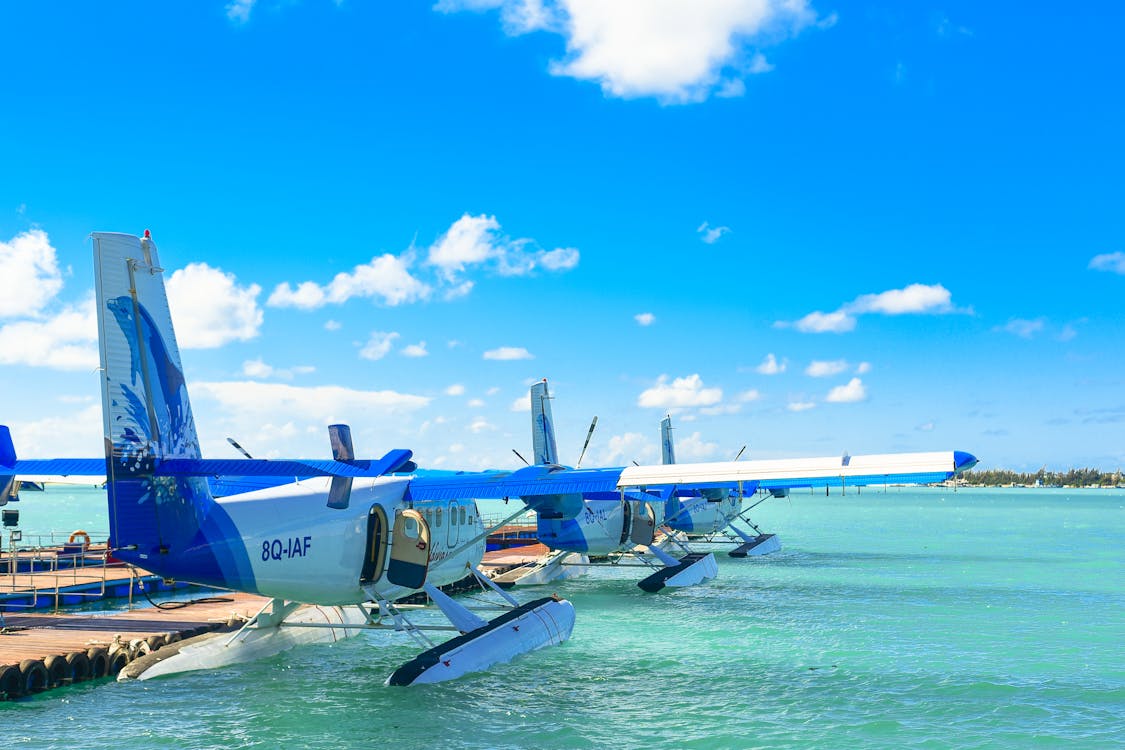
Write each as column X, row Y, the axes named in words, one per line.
column 301, row 550
column 705, row 514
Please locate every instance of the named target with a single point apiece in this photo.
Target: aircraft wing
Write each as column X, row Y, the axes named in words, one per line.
column 58, row 470
column 831, row 471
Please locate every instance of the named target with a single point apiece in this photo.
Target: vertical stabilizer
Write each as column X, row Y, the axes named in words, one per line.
column 668, row 452
column 167, row 524
column 542, row 425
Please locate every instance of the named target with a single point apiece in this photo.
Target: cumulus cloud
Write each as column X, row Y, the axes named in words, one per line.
column 621, row 450
column 845, row 394
column 76, row 434
column 522, row 403
column 29, row 274
column 415, row 350
column 257, row 368
column 695, row 448
column 65, row 341
column 479, row 425
column 800, row 405
column 455, row 390
column 671, row 50
column 239, row 10
column 751, row 395
column 932, row 299
column 824, row 368
column 1112, row 262
column 710, row 234
column 863, row 368
column 476, row 241
column 386, row 278
column 682, row 392
column 507, row 353
column 378, row 345
column 644, row 319
column 210, row 308
column 771, row 366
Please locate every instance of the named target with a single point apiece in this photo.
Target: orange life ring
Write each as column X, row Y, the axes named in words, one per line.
column 80, row 534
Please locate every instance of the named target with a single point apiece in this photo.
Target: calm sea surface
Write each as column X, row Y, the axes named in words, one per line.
column 911, row 619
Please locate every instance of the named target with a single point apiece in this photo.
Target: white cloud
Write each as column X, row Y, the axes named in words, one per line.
column 256, row 368
column 252, row 403
column 77, row 434
column 479, row 425
column 66, row 341
column 476, row 241
column 863, row 368
column 824, row 368
column 415, row 350
column 508, row 352
column 1112, row 262
column 523, row 403
column 378, row 345
column 239, row 10
column 386, row 278
column 621, row 450
column 475, row 403
column 29, row 274
column 751, row 395
column 1025, row 329
column 455, row 390
column 695, row 448
column 846, row 394
column 681, row 392
column 644, row 319
column 672, row 50
column 710, row 234
column 492, row 391
column 800, row 405
column 210, row 309
column 770, row 365
column 927, row 427
column 332, row 325
column 721, row 409
column 932, row 299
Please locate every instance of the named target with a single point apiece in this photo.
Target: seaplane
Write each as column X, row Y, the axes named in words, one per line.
column 347, row 537
column 708, row 515
column 619, row 528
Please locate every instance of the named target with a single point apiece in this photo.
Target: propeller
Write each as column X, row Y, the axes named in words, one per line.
column 586, row 445
column 239, row 448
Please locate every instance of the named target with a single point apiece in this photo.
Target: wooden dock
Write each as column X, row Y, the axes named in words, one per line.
column 40, row 651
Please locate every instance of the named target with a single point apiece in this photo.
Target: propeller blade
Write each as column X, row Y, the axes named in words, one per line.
column 586, row 445
column 239, row 448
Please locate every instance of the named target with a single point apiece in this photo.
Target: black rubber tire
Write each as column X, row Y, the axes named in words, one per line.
column 79, row 666
column 58, row 671
column 99, row 662
column 11, row 682
column 34, row 676
column 154, row 642
column 116, row 662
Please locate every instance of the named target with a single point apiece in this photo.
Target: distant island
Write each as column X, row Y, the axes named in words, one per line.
column 1042, row 478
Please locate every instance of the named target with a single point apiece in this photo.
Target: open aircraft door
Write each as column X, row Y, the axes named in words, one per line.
column 644, row 524
column 410, row 550
column 376, row 553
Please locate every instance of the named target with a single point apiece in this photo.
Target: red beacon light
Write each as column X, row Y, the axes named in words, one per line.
column 148, row 235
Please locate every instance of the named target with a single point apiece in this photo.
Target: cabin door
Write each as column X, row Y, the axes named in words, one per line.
column 644, row 524
column 375, row 556
column 410, row 550
column 454, row 532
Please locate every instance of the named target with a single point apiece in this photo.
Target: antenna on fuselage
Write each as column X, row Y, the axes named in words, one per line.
column 586, row 445
column 519, row 456
column 239, row 448
column 740, row 452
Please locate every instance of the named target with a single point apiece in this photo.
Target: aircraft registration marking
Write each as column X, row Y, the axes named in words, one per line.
column 288, row 548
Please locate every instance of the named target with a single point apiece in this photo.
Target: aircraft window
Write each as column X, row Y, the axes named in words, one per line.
column 438, row 524
column 410, row 527
column 462, row 516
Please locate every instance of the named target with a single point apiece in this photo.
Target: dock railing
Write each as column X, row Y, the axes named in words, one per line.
column 43, row 568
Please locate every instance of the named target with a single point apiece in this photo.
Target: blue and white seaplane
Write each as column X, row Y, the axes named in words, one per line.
column 708, row 515
column 350, row 536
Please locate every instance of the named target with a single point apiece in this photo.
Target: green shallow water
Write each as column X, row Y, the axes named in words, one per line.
column 911, row 619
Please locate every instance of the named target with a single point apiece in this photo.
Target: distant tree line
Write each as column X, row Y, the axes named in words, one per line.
column 1071, row 477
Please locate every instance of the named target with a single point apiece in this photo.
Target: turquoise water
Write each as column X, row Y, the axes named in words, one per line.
column 912, row 619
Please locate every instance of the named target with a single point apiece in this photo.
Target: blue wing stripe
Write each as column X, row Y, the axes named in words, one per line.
column 62, row 467
column 500, row 485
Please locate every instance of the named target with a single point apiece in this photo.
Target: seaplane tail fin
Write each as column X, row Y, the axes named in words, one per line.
column 7, row 465
column 667, row 449
column 169, row 524
column 542, row 425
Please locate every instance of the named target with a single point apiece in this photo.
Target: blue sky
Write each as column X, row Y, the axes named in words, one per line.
column 806, row 227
